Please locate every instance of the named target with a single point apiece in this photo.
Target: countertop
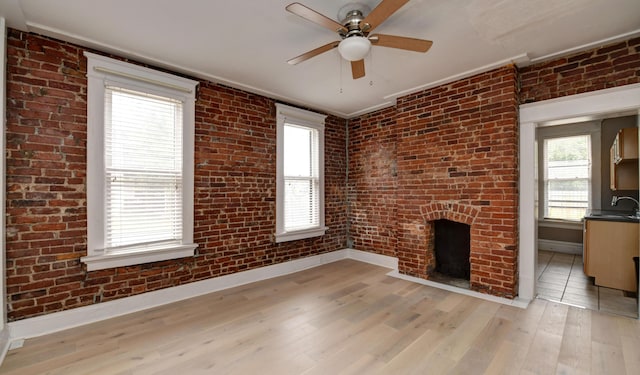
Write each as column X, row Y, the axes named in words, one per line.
column 608, row 215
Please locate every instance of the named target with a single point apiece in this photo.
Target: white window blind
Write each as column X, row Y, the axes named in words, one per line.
column 301, row 178
column 143, row 169
column 567, row 177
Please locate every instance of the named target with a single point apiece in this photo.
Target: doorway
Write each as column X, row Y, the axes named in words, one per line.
column 582, row 107
column 573, row 181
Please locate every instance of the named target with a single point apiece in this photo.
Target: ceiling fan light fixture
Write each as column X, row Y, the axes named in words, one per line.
column 354, row 48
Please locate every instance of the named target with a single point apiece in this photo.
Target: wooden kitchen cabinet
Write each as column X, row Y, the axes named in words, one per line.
column 625, row 146
column 609, row 248
column 623, row 157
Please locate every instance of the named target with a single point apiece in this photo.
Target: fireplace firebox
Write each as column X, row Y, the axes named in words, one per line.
column 452, row 242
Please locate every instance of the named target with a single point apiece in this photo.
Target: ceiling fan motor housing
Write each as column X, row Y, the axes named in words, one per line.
column 352, row 22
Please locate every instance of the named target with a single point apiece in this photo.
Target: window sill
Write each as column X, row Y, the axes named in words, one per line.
column 565, row 224
column 300, row 234
column 121, row 259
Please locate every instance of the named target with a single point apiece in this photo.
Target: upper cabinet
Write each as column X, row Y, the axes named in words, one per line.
column 624, row 160
column 625, row 146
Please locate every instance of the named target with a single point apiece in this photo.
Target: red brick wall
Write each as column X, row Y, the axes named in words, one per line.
column 609, row 66
column 372, row 182
column 46, row 187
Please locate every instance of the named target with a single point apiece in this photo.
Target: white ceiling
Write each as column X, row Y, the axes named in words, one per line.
column 246, row 43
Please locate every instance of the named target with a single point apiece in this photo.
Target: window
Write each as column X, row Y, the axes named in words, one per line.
column 567, row 177
column 300, row 174
column 139, row 164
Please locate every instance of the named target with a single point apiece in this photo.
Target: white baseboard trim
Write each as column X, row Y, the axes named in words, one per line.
column 560, row 246
column 517, row 302
column 5, row 342
column 372, row 258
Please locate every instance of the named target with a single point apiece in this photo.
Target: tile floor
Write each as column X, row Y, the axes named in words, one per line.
column 561, row 278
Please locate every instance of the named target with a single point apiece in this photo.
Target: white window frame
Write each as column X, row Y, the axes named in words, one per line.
column 593, row 129
column 307, row 119
column 100, row 72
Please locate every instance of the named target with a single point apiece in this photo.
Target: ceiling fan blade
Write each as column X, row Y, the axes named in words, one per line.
column 401, row 42
column 315, row 17
column 314, row 52
column 357, row 69
column 377, row 16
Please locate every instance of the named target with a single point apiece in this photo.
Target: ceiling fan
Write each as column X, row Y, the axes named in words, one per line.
column 355, row 30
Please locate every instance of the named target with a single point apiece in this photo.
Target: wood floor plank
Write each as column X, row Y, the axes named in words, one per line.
column 459, row 342
column 604, row 330
column 519, row 339
column 631, row 355
column 607, row 359
column 344, row 355
column 367, row 364
column 493, row 335
column 574, row 353
column 475, row 361
column 411, row 359
column 543, row 354
column 554, row 318
column 387, row 349
column 345, row 317
column 503, row 360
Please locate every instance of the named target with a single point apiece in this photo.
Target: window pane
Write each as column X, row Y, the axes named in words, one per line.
column 143, row 208
column 567, row 177
column 142, row 132
column 567, row 199
column 299, row 151
column 301, row 204
column 568, row 169
column 143, row 168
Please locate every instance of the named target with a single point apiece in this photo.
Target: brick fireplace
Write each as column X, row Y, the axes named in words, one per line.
column 457, row 160
column 450, row 153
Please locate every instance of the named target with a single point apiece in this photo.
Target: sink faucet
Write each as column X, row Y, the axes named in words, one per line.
column 615, row 199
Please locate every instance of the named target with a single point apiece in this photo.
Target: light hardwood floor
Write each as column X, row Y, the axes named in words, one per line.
column 348, row 318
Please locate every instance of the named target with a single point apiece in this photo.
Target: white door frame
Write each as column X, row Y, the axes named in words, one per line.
column 582, row 107
column 4, row 330
column 3, row 116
